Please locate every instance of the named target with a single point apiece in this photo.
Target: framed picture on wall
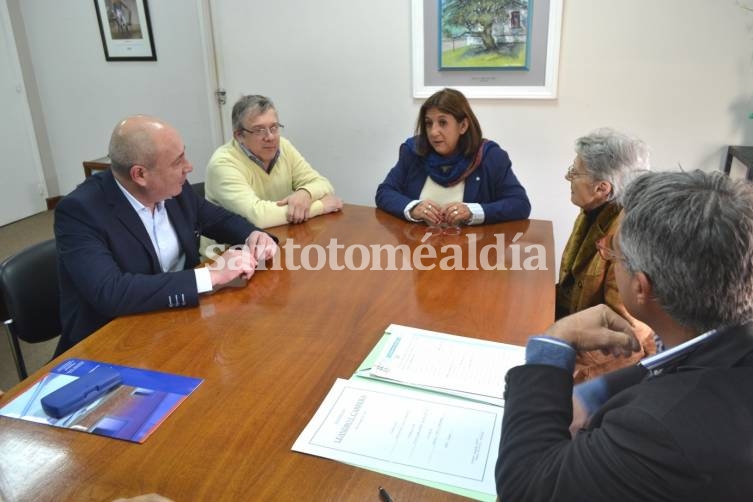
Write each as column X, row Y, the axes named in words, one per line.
column 492, row 37
column 486, row 49
column 126, row 30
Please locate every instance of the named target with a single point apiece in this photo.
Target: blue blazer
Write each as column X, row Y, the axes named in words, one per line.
column 493, row 185
column 107, row 264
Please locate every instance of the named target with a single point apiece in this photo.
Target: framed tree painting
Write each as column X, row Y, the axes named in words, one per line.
column 486, row 48
column 485, row 35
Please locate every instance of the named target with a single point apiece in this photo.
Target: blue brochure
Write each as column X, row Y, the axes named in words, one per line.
column 130, row 410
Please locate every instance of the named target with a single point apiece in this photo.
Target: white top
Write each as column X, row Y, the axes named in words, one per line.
column 444, row 195
column 165, row 240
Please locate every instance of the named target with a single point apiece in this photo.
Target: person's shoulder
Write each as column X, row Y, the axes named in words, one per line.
column 666, row 395
column 227, row 154
column 228, row 148
column 491, row 147
column 609, row 218
column 88, row 192
column 410, row 143
column 187, row 192
column 287, row 147
column 88, row 202
column 409, row 146
column 494, row 156
column 717, row 399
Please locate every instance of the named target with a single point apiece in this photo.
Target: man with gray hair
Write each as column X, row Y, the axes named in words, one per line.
column 261, row 176
column 127, row 239
column 677, row 426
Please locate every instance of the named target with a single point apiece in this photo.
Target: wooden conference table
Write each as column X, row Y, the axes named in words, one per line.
column 268, row 354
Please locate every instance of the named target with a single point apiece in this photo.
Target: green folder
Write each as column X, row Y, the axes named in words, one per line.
column 367, row 364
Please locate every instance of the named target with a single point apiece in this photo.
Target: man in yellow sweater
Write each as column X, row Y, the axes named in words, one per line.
column 261, row 176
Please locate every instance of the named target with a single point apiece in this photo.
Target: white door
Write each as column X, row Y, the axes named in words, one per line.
column 336, row 74
column 22, row 188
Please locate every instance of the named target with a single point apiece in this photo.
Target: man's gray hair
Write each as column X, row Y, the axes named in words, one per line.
column 130, row 146
column 613, row 157
column 691, row 233
column 252, row 105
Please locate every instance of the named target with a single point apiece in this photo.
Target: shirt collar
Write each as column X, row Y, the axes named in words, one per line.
column 724, row 347
column 256, row 159
column 663, row 359
column 138, row 206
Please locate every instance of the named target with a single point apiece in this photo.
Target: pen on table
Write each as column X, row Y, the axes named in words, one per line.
column 384, row 495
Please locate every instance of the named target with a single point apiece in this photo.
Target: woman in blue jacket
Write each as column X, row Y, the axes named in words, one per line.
column 449, row 174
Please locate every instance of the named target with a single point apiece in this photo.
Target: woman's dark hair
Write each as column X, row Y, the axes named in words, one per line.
column 452, row 102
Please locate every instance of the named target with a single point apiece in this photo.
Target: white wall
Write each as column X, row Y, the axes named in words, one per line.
column 339, row 74
column 678, row 73
column 82, row 95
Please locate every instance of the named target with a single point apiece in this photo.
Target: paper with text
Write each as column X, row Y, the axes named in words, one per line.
column 448, row 363
column 407, row 432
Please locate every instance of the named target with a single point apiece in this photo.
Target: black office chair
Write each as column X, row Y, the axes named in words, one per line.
column 29, row 285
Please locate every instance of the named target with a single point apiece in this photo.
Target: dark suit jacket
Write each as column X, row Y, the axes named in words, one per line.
column 106, row 261
column 493, row 185
column 684, row 435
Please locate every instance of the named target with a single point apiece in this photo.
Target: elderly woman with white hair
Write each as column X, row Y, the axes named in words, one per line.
column 605, row 161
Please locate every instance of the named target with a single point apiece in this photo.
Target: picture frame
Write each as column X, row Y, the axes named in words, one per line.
column 536, row 80
column 499, row 40
column 126, row 30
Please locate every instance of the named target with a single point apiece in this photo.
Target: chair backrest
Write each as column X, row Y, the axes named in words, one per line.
column 29, row 284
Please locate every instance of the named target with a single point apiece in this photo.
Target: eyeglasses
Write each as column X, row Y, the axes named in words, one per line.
column 572, row 174
column 606, row 250
column 261, row 132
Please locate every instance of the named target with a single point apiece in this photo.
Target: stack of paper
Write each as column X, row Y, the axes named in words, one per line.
column 467, row 367
column 440, row 425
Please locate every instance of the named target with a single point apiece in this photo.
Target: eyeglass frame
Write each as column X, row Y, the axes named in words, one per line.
column 263, row 132
column 570, row 174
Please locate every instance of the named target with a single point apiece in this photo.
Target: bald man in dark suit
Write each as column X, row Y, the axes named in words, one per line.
column 127, row 239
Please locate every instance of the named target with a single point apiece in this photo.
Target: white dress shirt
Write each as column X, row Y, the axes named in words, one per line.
column 165, row 240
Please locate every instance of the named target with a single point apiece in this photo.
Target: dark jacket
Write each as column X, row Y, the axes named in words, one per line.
column 493, row 185
column 106, row 261
column 683, row 435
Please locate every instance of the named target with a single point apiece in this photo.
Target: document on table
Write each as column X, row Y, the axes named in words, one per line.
column 408, row 432
column 468, row 367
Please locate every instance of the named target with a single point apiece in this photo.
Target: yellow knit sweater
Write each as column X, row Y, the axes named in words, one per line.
column 236, row 183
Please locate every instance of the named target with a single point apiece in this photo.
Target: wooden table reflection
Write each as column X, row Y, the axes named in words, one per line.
column 269, row 353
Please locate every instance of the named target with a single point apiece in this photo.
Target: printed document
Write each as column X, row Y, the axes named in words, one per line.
column 469, row 367
column 407, row 432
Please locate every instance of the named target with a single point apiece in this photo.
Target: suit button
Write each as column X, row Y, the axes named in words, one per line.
column 580, row 284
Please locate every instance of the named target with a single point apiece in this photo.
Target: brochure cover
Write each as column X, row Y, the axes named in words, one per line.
column 132, row 411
